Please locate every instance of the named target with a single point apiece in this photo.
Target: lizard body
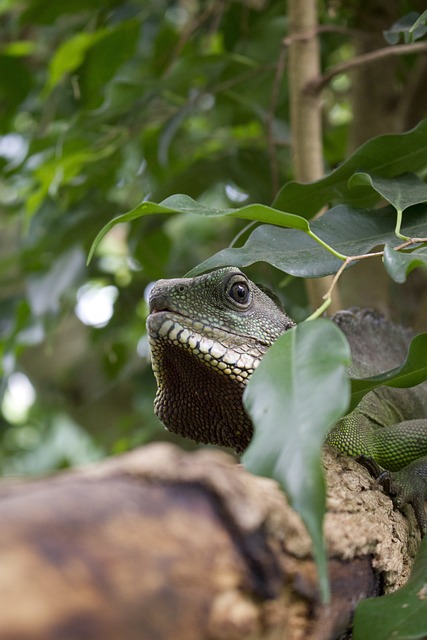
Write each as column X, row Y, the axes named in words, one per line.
column 208, row 334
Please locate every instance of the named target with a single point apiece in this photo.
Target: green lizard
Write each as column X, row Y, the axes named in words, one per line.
column 208, row 334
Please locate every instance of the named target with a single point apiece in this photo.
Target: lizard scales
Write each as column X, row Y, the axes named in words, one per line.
column 207, row 335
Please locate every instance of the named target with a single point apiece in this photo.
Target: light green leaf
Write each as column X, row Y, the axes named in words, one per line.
column 399, row 264
column 412, row 372
column 386, row 156
column 20, row 48
column 401, row 615
column 402, row 192
column 299, row 390
column 70, row 55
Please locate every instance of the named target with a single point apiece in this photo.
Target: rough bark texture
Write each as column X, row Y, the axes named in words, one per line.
column 161, row 544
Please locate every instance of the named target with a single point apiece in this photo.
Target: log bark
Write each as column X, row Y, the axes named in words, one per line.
column 160, row 544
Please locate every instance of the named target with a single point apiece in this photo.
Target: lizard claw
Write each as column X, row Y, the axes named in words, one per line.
column 407, row 486
column 370, row 464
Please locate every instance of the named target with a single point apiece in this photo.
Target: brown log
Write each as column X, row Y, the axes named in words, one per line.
column 160, row 544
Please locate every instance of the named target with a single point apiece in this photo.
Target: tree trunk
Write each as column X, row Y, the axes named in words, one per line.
column 306, row 115
column 164, row 544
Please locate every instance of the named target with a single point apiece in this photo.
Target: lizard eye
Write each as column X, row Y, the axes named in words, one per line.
column 240, row 293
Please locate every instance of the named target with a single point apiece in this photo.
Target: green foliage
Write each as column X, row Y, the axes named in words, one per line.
column 412, row 372
column 387, row 156
column 399, row 264
column 411, row 27
column 402, row 614
column 312, row 385
column 314, row 388
column 108, row 109
column 349, row 231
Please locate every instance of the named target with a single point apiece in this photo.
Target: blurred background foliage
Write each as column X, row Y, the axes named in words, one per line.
column 105, row 103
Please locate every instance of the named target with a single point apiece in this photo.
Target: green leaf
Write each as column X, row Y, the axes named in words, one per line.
column 401, row 615
column 349, row 231
column 399, row 264
column 411, row 26
column 386, row 156
column 70, row 55
column 105, row 57
column 299, row 390
column 185, row 204
column 412, row 372
column 402, row 192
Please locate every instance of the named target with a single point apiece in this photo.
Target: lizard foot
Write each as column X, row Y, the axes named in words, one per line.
column 406, row 486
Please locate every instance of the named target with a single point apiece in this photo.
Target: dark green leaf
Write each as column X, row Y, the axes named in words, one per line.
column 299, row 390
column 386, row 156
column 349, row 231
column 402, row 192
column 411, row 27
column 104, row 58
column 399, row 264
column 401, row 615
column 412, row 372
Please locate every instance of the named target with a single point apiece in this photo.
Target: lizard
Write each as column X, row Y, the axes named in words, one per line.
column 207, row 335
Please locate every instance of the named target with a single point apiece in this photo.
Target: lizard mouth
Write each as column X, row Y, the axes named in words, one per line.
column 208, row 344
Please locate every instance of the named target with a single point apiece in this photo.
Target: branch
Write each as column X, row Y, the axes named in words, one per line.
column 314, row 86
column 347, row 261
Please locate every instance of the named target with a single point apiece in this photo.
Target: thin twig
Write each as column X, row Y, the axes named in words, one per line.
column 325, row 28
column 316, row 85
column 364, row 256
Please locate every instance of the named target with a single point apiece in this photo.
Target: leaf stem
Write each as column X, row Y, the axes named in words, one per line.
column 316, row 314
column 337, row 254
column 399, row 225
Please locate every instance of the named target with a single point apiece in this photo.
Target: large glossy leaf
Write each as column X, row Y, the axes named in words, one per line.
column 399, row 264
column 297, row 393
column 402, row 192
column 349, row 231
column 412, row 372
column 386, row 156
column 185, row 204
column 401, row 615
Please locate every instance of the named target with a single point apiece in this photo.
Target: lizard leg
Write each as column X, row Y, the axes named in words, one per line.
column 396, row 455
column 392, row 446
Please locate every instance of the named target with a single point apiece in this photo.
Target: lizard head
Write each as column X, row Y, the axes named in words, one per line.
column 207, row 335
